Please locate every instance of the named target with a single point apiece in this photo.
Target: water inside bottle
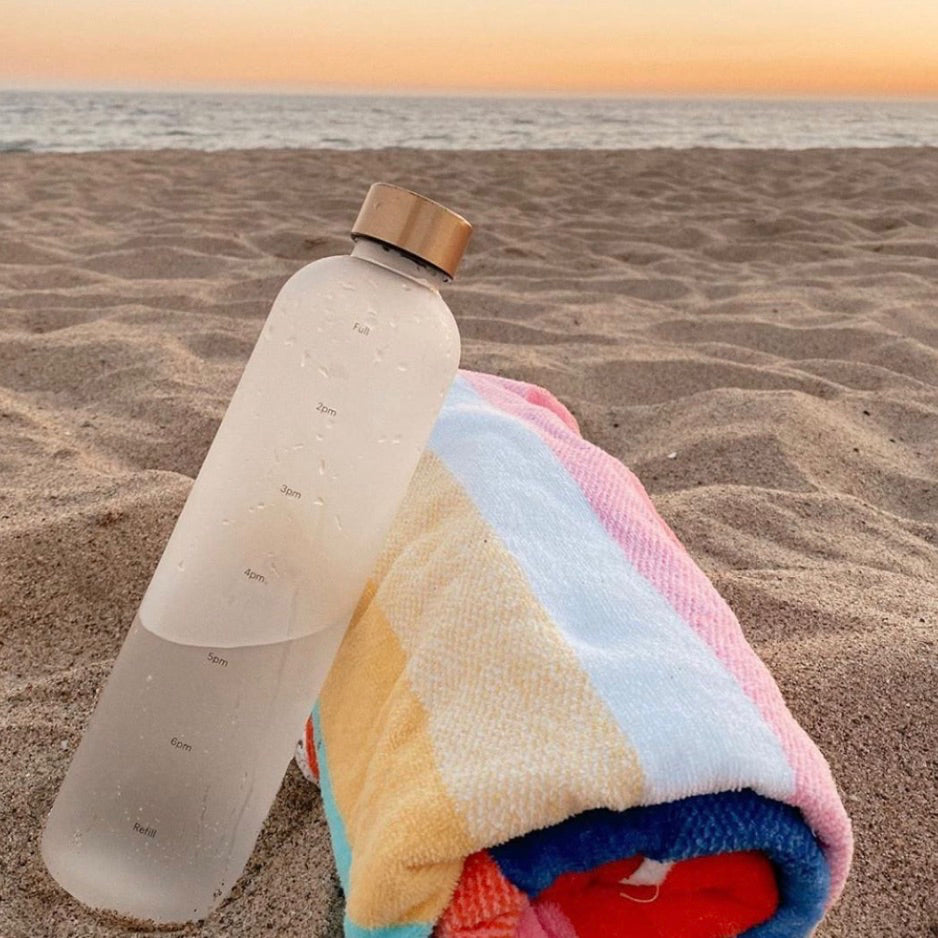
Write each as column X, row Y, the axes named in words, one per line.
column 174, row 777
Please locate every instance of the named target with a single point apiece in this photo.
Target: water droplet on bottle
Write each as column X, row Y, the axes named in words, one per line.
column 226, row 521
column 261, row 506
column 396, row 439
column 290, row 340
column 306, row 357
column 346, row 285
column 180, row 566
column 319, row 438
column 379, row 356
column 323, row 371
column 322, row 467
column 338, row 522
column 402, row 366
column 149, row 678
column 319, row 501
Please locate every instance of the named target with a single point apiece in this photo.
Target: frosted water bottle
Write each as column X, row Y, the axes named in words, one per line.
column 192, row 734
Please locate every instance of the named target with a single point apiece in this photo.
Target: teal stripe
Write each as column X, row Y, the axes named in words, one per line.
column 340, row 844
column 417, row 930
column 343, row 852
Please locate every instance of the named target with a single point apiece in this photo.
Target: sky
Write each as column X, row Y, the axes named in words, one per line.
column 690, row 47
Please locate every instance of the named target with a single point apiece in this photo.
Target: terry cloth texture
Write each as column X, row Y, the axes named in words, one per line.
column 545, row 722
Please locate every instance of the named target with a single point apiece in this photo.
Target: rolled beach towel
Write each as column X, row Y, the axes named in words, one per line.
column 545, row 722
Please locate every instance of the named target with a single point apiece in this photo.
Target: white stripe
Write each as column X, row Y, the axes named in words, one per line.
column 693, row 727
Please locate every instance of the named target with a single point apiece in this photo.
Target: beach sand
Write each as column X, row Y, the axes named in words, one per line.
column 754, row 333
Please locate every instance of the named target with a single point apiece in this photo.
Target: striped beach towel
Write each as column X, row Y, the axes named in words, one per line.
column 545, row 722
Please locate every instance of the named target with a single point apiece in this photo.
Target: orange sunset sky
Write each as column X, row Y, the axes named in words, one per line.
column 748, row 47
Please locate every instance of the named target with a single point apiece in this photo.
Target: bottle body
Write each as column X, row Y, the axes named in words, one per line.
column 191, row 736
column 176, row 772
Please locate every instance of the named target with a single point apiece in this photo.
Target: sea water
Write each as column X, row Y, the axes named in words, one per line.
column 96, row 120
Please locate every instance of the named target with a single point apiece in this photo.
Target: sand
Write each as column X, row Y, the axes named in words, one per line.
column 754, row 333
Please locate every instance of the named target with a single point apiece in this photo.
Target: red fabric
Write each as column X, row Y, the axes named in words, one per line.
column 311, row 749
column 705, row 897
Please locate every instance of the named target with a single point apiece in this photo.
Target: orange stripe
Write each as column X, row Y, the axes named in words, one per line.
column 406, row 838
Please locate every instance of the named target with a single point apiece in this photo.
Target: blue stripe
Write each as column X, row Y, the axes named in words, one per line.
column 691, row 725
column 705, row 825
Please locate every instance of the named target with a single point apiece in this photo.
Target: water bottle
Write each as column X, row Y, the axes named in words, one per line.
column 192, row 734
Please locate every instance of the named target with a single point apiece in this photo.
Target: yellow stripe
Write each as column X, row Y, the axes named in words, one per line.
column 493, row 730
column 406, row 838
column 521, row 737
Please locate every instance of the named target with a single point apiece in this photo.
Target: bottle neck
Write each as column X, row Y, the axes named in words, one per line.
column 386, row 255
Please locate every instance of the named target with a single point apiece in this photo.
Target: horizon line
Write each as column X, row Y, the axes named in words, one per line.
column 469, row 93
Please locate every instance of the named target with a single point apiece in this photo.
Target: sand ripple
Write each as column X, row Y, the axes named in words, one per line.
column 756, row 334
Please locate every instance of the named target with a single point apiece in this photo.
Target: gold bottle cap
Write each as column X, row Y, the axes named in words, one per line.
column 414, row 224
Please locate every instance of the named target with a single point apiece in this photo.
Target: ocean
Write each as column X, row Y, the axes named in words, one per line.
column 77, row 121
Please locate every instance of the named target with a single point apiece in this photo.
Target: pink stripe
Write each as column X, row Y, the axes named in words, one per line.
column 544, row 920
column 627, row 513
